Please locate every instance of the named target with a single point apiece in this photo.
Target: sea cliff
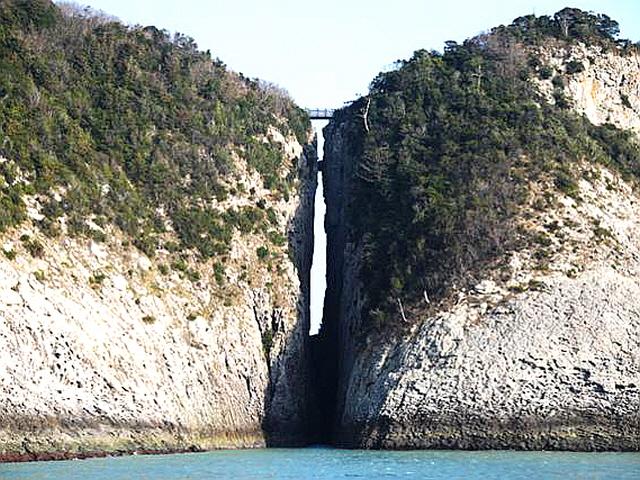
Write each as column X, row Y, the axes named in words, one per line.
column 156, row 238
column 531, row 343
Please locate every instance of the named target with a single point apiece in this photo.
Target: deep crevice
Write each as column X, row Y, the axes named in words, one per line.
column 319, row 263
column 322, row 350
column 325, row 346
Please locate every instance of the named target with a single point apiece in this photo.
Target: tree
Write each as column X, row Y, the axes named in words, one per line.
column 578, row 24
column 607, row 27
column 563, row 22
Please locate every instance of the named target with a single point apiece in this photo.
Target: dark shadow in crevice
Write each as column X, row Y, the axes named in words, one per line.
column 289, row 396
column 325, row 346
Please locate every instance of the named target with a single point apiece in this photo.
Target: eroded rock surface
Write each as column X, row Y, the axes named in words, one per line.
column 552, row 369
column 607, row 90
column 532, row 357
column 106, row 350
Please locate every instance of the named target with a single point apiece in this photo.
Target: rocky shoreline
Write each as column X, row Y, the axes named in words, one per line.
column 573, row 434
column 64, row 455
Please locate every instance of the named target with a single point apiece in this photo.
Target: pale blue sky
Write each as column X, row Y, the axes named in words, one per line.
column 326, row 52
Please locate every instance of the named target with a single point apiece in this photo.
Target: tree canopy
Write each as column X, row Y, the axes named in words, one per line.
column 451, row 146
column 128, row 125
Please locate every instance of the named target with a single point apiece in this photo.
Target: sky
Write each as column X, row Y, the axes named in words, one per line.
column 326, row 53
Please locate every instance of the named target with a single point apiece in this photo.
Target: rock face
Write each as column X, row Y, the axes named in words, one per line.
column 547, row 360
column 344, row 291
column 555, row 369
column 607, row 90
column 106, row 350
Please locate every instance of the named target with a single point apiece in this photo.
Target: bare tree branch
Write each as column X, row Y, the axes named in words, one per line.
column 404, row 318
column 365, row 115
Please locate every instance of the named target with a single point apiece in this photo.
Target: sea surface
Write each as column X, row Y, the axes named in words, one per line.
column 328, row 463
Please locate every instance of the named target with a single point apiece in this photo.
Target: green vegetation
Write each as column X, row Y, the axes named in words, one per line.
column 193, row 275
column 267, row 342
column 262, row 252
column 33, row 246
column 97, row 278
column 149, row 319
column 133, row 125
column 276, row 238
column 567, row 183
column 218, row 273
column 545, row 72
column 569, row 25
column 449, row 147
column 536, row 285
column 601, row 233
column 574, row 67
column 180, row 265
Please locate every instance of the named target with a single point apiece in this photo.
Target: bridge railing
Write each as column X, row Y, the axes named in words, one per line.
column 320, row 113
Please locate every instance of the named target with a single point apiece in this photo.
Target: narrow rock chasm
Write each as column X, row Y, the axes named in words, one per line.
column 319, row 262
column 324, row 342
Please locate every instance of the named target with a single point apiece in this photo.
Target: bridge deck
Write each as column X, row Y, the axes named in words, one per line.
column 320, row 113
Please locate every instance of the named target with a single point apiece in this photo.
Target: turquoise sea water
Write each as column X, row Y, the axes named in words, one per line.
column 326, row 463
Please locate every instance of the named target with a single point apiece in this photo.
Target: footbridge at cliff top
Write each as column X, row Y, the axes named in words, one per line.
column 320, row 113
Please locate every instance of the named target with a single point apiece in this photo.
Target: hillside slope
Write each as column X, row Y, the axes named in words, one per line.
column 156, row 228
column 482, row 244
